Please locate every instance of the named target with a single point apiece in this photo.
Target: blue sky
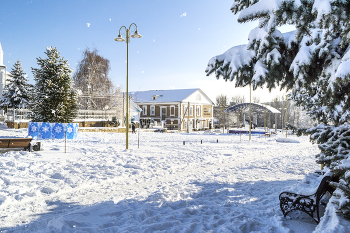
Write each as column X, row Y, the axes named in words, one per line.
column 179, row 38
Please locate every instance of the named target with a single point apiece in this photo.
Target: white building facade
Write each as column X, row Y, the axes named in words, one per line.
column 3, row 76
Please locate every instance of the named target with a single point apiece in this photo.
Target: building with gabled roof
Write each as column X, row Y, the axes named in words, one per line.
column 175, row 109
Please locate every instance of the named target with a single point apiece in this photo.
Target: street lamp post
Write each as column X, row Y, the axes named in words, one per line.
column 127, row 40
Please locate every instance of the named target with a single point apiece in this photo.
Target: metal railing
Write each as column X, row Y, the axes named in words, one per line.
column 96, row 114
column 17, row 114
column 24, row 114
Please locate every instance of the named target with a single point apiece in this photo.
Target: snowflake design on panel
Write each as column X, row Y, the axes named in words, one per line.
column 33, row 129
column 45, row 129
column 70, row 130
column 58, row 129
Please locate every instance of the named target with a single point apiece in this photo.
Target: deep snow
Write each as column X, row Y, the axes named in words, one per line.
column 164, row 186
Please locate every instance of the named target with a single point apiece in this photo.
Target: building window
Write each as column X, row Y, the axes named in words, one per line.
column 198, row 97
column 153, row 110
column 208, row 110
column 155, row 97
column 186, row 111
column 191, row 111
column 144, row 110
column 198, row 110
column 172, row 110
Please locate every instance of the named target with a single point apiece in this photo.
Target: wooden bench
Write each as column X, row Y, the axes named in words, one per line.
column 306, row 203
column 15, row 143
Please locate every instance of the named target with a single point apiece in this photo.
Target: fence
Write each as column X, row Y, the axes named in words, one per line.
column 17, row 114
column 24, row 114
column 97, row 114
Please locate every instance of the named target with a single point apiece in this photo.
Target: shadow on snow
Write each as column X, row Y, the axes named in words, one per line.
column 217, row 207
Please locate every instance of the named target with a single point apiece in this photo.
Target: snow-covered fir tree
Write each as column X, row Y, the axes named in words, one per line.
column 313, row 62
column 54, row 99
column 17, row 91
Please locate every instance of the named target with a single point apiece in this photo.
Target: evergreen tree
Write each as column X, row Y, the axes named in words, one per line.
column 313, row 62
column 54, row 99
column 17, row 90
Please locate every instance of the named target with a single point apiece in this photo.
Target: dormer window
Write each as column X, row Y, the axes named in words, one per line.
column 198, row 97
column 155, row 97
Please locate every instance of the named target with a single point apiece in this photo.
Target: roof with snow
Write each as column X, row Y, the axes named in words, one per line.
column 156, row 96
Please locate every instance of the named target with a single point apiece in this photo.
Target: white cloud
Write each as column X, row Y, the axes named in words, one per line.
column 143, row 72
column 88, row 25
column 154, row 40
column 199, row 28
column 183, row 14
column 110, row 19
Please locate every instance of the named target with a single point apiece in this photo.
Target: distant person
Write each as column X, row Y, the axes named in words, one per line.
column 133, row 128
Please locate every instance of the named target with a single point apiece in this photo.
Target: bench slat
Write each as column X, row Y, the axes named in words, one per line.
column 4, row 143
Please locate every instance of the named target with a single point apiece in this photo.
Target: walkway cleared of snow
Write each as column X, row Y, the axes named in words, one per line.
column 225, row 184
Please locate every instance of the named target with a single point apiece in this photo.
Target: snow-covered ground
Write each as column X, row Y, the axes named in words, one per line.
column 225, row 184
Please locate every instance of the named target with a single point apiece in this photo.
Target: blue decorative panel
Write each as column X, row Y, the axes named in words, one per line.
column 45, row 130
column 70, row 131
column 58, row 130
column 76, row 127
column 33, row 129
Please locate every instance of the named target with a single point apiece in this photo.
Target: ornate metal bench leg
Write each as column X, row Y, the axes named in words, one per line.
column 291, row 201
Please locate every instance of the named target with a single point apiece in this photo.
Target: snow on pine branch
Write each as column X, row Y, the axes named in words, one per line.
column 321, row 8
column 239, row 5
column 262, row 8
column 248, row 63
column 343, row 70
column 229, row 64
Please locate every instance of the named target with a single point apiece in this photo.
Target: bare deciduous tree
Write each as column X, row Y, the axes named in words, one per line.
column 221, row 100
column 256, row 99
column 91, row 79
column 237, row 117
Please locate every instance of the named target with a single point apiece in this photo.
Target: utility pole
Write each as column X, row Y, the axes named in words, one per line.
column 223, row 114
column 286, row 115
column 265, row 119
column 282, row 115
column 250, row 112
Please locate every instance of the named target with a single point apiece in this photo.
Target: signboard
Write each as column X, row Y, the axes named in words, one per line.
column 206, row 112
